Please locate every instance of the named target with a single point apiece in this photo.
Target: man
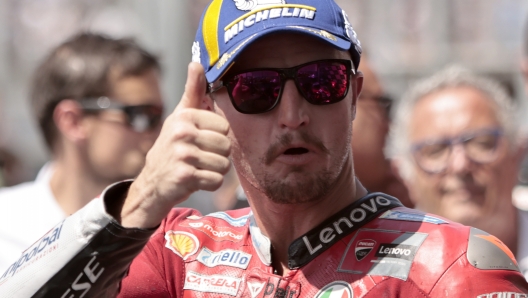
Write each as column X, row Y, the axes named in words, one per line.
column 98, row 103
column 312, row 230
column 456, row 141
column 370, row 130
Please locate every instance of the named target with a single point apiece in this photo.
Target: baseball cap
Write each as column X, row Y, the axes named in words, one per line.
column 227, row 27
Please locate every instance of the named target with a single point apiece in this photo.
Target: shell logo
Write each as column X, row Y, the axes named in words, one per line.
column 336, row 289
column 182, row 243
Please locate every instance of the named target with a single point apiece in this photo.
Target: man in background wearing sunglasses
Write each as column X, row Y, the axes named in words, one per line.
column 98, row 104
column 282, row 85
column 455, row 139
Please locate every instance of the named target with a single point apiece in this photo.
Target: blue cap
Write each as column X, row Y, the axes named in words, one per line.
column 227, row 27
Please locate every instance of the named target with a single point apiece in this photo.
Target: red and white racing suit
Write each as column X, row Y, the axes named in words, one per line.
column 372, row 248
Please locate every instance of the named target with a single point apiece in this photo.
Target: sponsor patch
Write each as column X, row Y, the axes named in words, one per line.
column 363, row 248
column 226, row 257
column 336, row 289
column 394, row 253
column 235, row 222
column 503, row 295
column 398, row 251
column 412, row 216
column 265, row 11
column 44, row 246
column 268, row 285
column 221, row 284
column 345, row 222
column 182, row 243
column 217, row 233
column 255, row 288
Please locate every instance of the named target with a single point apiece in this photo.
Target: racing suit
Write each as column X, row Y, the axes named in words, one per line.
column 372, row 248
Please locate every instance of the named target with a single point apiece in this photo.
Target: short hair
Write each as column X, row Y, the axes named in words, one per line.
column 83, row 66
column 508, row 111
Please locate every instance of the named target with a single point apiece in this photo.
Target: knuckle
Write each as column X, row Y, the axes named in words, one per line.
column 185, row 153
column 213, row 182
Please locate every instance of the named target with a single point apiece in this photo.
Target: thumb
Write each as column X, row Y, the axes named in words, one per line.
column 194, row 87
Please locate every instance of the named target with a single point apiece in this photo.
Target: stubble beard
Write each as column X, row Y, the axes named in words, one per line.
column 310, row 188
column 302, row 187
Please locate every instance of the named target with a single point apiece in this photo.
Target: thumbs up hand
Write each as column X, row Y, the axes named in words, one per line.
column 191, row 153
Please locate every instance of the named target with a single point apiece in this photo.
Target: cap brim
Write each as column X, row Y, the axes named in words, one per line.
column 218, row 69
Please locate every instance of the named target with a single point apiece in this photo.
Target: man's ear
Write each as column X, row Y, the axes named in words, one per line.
column 68, row 116
column 356, row 86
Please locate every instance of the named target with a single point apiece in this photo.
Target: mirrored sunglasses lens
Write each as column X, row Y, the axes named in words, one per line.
column 255, row 91
column 324, row 82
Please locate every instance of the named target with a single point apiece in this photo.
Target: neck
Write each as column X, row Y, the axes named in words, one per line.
column 283, row 223
column 71, row 183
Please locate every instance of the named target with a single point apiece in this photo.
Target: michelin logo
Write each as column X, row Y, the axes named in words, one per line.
column 258, row 13
column 226, row 257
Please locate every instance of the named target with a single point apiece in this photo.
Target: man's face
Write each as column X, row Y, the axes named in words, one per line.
column 295, row 152
column 465, row 190
column 114, row 151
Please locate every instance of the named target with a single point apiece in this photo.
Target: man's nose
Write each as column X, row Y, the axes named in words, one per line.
column 458, row 161
column 293, row 108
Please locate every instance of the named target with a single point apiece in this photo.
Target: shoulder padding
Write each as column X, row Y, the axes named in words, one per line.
column 487, row 252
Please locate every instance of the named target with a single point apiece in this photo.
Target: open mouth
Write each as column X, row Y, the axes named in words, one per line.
column 296, row 151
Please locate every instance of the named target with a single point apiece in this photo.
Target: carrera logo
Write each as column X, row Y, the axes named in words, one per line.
column 220, row 284
column 345, row 223
column 226, row 257
column 262, row 10
column 399, row 251
column 214, row 232
column 182, row 243
column 363, row 248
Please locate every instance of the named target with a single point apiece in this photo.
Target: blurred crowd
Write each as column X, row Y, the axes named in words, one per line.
column 452, row 144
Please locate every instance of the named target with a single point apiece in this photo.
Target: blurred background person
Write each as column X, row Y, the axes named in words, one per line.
column 99, row 107
column 370, row 130
column 455, row 139
column 9, row 168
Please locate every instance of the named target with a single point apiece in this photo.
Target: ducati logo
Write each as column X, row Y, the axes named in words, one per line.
column 363, row 248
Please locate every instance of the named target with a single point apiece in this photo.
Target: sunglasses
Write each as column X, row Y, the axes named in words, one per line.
column 139, row 117
column 259, row 90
